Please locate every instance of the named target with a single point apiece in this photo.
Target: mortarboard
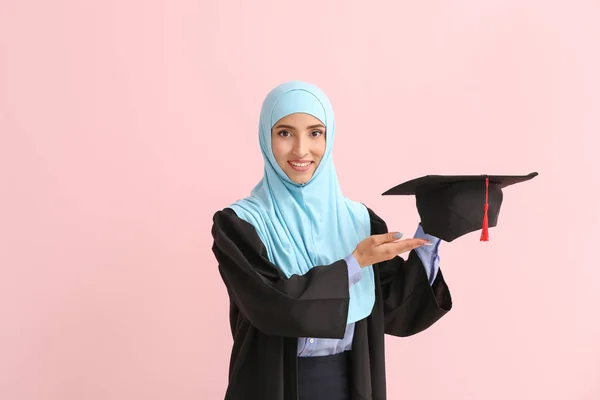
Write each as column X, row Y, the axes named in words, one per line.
column 451, row 206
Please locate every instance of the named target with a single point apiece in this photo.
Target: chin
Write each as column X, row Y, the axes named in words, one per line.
column 300, row 178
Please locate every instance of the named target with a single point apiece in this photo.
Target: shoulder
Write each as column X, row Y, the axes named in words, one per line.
column 370, row 217
column 224, row 216
column 229, row 231
column 378, row 225
column 224, row 213
column 226, row 220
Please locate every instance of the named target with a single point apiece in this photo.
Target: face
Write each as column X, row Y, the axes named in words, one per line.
column 298, row 142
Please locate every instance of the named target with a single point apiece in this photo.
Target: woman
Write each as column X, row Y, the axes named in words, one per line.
column 314, row 278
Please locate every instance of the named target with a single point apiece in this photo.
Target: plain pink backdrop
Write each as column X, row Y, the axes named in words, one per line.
column 126, row 124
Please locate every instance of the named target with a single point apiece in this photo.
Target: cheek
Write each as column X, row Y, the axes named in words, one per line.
column 279, row 149
column 319, row 149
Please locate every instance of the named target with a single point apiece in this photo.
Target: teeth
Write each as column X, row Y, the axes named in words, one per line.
column 300, row 165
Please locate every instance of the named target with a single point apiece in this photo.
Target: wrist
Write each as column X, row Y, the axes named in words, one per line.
column 356, row 256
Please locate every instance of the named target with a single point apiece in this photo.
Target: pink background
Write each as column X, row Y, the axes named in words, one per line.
column 126, row 124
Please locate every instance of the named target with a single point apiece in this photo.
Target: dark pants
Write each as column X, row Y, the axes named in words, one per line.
column 324, row 378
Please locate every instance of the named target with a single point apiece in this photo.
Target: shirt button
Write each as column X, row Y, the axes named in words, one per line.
column 311, row 340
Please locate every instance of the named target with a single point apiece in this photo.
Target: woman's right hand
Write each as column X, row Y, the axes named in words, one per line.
column 384, row 247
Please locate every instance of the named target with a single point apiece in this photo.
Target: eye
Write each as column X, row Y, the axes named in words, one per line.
column 316, row 133
column 283, row 133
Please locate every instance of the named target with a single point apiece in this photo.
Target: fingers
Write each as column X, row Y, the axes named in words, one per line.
column 386, row 238
column 408, row 244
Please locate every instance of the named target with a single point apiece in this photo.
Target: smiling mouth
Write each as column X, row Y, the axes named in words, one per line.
column 300, row 166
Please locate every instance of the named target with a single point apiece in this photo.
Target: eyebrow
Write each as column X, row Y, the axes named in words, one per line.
column 291, row 127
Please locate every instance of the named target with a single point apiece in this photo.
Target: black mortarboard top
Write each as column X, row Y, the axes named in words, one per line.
column 452, row 206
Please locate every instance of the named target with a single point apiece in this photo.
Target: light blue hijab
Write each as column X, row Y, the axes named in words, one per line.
column 310, row 224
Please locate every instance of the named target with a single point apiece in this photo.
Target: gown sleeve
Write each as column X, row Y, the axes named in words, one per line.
column 411, row 303
column 311, row 305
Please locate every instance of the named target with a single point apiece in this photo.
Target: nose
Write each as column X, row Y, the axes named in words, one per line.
column 300, row 146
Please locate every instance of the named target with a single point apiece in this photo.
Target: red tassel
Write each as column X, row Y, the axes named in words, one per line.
column 484, row 233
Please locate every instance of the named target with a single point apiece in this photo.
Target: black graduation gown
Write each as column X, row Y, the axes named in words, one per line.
column 268, row 312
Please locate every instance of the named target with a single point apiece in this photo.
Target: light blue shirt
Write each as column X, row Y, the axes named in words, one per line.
column 314, row 347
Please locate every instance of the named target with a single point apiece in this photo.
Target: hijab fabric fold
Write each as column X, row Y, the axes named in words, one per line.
column 311, row 224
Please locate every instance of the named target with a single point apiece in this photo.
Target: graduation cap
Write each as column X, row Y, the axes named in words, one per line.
column 451, row 206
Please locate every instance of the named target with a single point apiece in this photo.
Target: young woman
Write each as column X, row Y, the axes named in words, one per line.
column 314, row 278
